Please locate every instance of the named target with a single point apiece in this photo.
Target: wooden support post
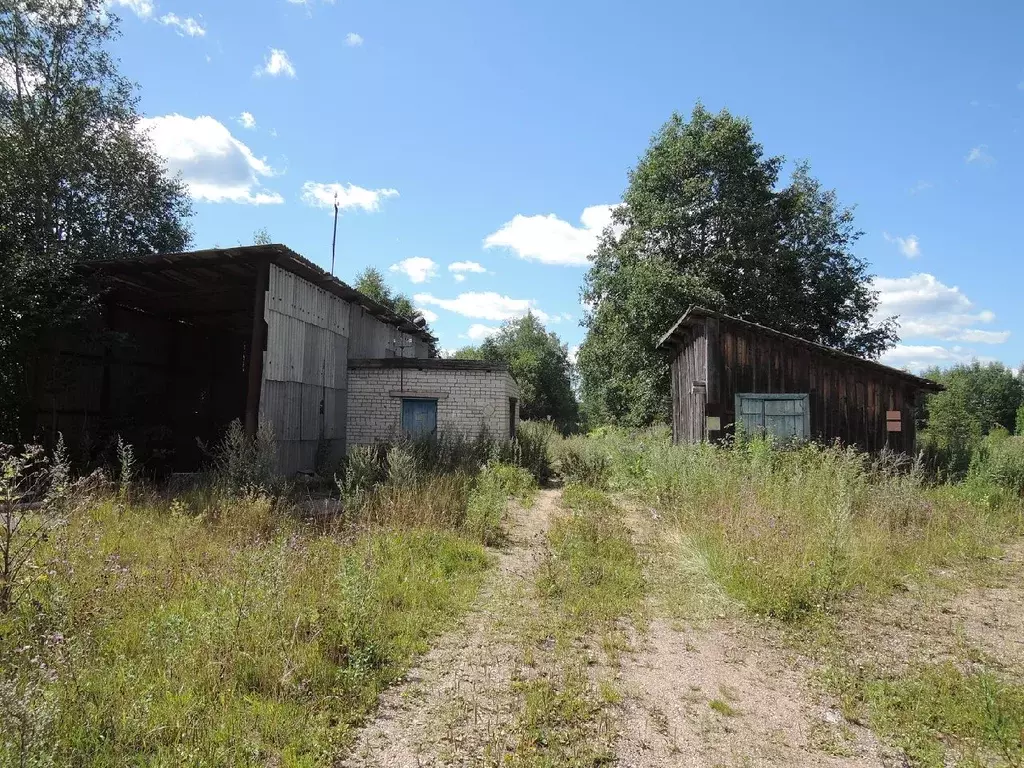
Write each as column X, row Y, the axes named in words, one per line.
column 256, row 348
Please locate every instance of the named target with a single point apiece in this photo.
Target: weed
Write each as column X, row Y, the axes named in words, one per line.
column 534, row 440
column 793, row 533
column 241, row 462
column 722, row 707
column 584, row 463
column 559, row 724
column 161, row 636
column 934, row 712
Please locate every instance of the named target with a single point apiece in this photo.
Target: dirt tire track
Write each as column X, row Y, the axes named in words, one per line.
column 768, row 713
column 451, row 708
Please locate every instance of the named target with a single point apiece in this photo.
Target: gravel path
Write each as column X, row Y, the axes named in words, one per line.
column 453, row 708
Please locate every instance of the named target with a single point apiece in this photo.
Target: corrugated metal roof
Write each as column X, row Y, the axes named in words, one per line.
column 181, row 270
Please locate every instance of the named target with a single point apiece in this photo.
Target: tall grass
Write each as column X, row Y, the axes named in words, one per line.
column 159, row 634
column 218, row 628
column 788, row 533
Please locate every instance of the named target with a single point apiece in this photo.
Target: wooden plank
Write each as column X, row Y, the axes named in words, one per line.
column 257, row 346
column 713, row 363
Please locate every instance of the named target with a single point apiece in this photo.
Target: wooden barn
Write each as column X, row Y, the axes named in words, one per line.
column 728, row 372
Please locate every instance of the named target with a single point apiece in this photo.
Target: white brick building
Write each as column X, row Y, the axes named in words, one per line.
column 393, row 397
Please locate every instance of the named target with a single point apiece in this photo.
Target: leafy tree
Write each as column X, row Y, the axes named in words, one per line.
column 468, row 353
column 977, row 400
column 539, row 361
column 371, row 282
column 704, row 222
column 78, row 181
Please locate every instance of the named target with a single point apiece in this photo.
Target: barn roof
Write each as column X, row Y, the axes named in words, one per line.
column 209, row 276
column 674, row 336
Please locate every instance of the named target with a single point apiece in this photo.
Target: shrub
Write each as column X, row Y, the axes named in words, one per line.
column 241, row 462
column 534, row 439
column 584, row 463
column 1000, row 460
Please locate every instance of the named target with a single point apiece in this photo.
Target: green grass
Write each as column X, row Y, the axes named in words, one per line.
column 938, row 713
column 593, row 574
column 560, row 724
column 788, row 534
column 165, row 634
column 722, row 707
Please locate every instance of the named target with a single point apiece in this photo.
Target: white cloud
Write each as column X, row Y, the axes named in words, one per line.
column 479, row 331
column 418, row 269
column 141, row 8
column 460, row 268
column 427, row 314
column 980, row 154
column 918, row 357
column 352, row 39
column 910, row 246
column 549, row 239
column 348, row 196
column 486, row 305
column 557, row 318
column 215, row 165
column 187, row 26
column 247, row 120
column 921, row 186
column 277, row 63
column 929, row 309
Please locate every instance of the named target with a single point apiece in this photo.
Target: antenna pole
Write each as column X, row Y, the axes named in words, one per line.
column 334, row 237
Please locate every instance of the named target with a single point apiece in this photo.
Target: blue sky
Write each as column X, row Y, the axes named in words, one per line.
column 493, row 136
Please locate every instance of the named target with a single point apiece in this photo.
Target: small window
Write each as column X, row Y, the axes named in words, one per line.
column 784, row 417
column 419, row 417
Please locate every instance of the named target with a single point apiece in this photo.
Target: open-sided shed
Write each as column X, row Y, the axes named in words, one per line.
column 184, row 343
column 727, row 372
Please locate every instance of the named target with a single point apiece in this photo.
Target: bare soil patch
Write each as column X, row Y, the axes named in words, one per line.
column 728, row 694
column 938, row 625
column 454, row 706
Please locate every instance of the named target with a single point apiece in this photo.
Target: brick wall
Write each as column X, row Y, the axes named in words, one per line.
column 467, row 401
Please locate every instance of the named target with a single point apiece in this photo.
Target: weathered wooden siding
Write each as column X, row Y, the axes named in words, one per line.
column 689, row 380
column 373, row 338
column 849, row 401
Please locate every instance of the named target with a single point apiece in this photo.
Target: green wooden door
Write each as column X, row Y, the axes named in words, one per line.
column 783, row 417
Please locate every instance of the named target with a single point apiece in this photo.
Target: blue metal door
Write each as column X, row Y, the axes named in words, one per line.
column 419, row 418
